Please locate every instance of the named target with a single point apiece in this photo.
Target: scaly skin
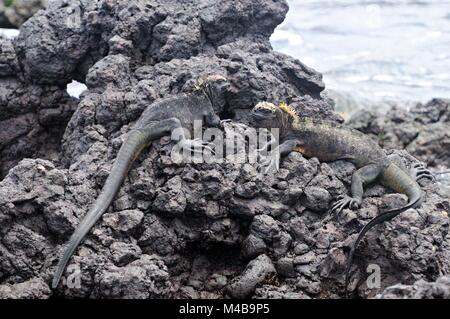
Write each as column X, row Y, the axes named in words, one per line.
column 159, row 119
column 329, row 142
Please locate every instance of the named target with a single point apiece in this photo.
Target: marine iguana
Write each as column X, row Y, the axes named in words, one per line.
column 330, row 142
column 158, row 119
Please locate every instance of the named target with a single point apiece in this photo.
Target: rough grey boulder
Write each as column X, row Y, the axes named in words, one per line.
column 421, row 289
column 81, row 32
column 13, row 13
column 31, row 289
column 257, row 271
column 424, row 130
column 32, row 117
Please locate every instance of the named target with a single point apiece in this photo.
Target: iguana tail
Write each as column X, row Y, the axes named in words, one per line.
column 130, row 149
column 401, row 182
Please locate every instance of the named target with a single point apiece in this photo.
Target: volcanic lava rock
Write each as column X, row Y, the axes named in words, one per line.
column 13, row 13
column 32, row 117
column 421, row 289
column 424, row 131
column 256, row 272
column 203, row 230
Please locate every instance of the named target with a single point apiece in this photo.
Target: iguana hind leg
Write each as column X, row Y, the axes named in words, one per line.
column 400, row 181
column 361, row 177
column 419, row 171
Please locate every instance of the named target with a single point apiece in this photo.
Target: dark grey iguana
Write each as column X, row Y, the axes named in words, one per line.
column 159, row 119
column 329, row 142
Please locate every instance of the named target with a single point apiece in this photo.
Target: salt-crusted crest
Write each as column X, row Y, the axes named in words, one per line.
column 266, row 105
column 289, row 110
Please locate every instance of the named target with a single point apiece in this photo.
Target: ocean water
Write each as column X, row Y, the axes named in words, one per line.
column 9, row 33
column 372, row 53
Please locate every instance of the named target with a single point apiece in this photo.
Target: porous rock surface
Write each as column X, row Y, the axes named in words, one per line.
column 181, row 230
column 421, row 289
column 33, row 117
column 424, row 130
column 13, row 13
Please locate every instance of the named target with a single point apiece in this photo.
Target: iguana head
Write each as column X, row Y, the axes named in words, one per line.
column 214, row 86
column 269, row 115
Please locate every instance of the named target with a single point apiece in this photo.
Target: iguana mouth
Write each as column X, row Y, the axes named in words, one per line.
column 258, row 116
column 261, row 114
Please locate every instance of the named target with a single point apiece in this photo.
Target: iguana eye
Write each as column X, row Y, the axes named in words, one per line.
column 221, row 84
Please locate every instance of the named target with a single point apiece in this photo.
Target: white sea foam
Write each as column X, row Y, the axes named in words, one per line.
column 9, row 33
column 75, row 88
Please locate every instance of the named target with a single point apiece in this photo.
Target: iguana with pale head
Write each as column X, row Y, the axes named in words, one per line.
column 159, row 119
column 331, row 142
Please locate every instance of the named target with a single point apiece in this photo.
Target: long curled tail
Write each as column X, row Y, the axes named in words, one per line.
column 401, row 182
column 133, row 145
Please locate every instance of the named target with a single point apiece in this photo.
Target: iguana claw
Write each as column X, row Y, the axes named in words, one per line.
column 343, row 202
column 419, row 171
column 196, row 145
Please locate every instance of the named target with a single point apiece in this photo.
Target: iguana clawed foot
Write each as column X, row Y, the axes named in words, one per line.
column 343, row 202
column 196, row 145
column 419, row 171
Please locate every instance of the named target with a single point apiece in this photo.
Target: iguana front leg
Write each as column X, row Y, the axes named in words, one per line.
column 195, row 145
column 361, row 177
column 191, row 145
